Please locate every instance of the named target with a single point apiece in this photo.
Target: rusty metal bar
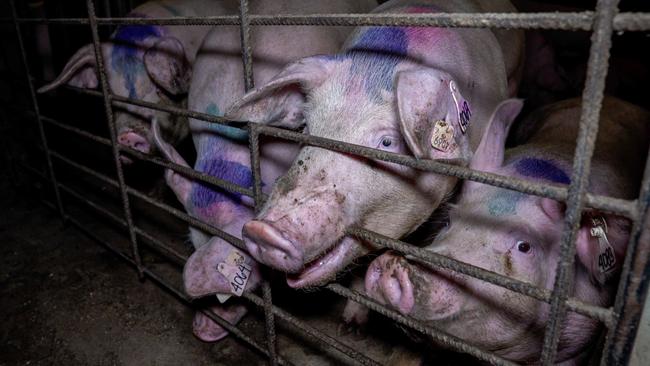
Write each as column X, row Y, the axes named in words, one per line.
column 179, row 294
column 438, row 260
column 632, row 290
column 555, row 191
column 628, row 21
column 101, row 70
column 172, row 211
column 601, row 41
column 303, row 327
column 247, row 54
column 37, row 112
column 155, row 160
column 446, row 167
column 439, row 336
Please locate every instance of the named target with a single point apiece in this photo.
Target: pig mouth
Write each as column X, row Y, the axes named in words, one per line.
column 326, row 266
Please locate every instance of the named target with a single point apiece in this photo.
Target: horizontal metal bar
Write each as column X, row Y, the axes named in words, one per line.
column 437, row 260
column 629, row 21
column 554, row 191
column 601, row 314
column 178, row 293
column 321, row 339
column 188, row 172
column 438, row 335
column 171, row 210
column 557, row 192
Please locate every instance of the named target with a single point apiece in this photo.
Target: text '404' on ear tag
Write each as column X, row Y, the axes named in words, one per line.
column 605, row 261
column 442, row 137
column 463, row 111
column 236, row 271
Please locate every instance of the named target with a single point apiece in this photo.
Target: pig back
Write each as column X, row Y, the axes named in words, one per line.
column 621, row 146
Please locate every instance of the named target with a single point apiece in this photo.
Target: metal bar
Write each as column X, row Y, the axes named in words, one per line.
column 220, row 183
column 37, row 112
column 555, row 191
column 592, row 96
column 179, row 294
column 101, row 70
column 271, row 342
column 245, row 34
column 311, row 332
column 632, row 290
column 314, row 335
column 438, row 260
column 441, row 337
column 628, row 21
column 172, row 211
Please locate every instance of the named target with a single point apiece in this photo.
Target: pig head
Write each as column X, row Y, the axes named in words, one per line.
column 511, row 234
column 399, row 108
column 141, row 62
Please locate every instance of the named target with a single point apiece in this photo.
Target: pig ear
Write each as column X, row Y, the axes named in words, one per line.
column 176, row 181
column 588, row 248
column 79, row 71
column 425, row 102
column 167, row 65
column 280, row 102
column 489, row 154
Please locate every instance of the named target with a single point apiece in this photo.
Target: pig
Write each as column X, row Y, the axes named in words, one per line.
column 519, row 236
column 427, row 92
column 146, row 62
column 223, row 152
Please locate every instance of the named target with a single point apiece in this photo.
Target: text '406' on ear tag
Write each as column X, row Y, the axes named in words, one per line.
column 463, row 112
column 236, row 271
column 442, row 137
column 605, row 261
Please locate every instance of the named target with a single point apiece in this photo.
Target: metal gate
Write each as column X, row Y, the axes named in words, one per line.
column 621, row 320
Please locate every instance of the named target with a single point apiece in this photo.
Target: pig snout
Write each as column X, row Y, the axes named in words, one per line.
column 135, row 141
column 268, row 245
column 295, row 231
column 387, row 281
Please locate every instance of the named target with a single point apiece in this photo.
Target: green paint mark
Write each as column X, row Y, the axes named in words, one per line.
column 504, row 202
column 226, row 131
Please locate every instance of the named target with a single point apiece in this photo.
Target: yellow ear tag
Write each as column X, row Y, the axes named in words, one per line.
column 442, row 138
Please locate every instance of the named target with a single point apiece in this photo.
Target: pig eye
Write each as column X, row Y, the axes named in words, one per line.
column 386, row 141
column 523, row 246
column 389, row 143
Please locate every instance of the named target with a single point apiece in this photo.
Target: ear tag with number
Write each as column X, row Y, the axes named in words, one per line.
column 605, row 261
column 236, row 271
column 442, row 137
column 463, row 111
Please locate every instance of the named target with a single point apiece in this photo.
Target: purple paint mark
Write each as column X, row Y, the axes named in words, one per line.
column 375, row 55
column 541, row 169
column 204, row 195
column 124, row 58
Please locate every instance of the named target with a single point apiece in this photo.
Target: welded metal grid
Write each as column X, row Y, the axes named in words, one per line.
column 620, row 320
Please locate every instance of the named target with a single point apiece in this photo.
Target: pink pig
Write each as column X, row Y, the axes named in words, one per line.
column 517, row 235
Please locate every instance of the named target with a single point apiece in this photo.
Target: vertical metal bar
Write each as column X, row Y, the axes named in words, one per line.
column 592, row 97
column 245, row 33
column 37, row 112
column 106, row 94
column 633, row 286
column 247, row 59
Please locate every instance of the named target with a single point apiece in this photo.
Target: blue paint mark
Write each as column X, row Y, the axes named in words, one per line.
column 504, row 202
column 204, row 195
column 375, row 55
column 124, row 58
column 225, row 131
column 542, row 169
